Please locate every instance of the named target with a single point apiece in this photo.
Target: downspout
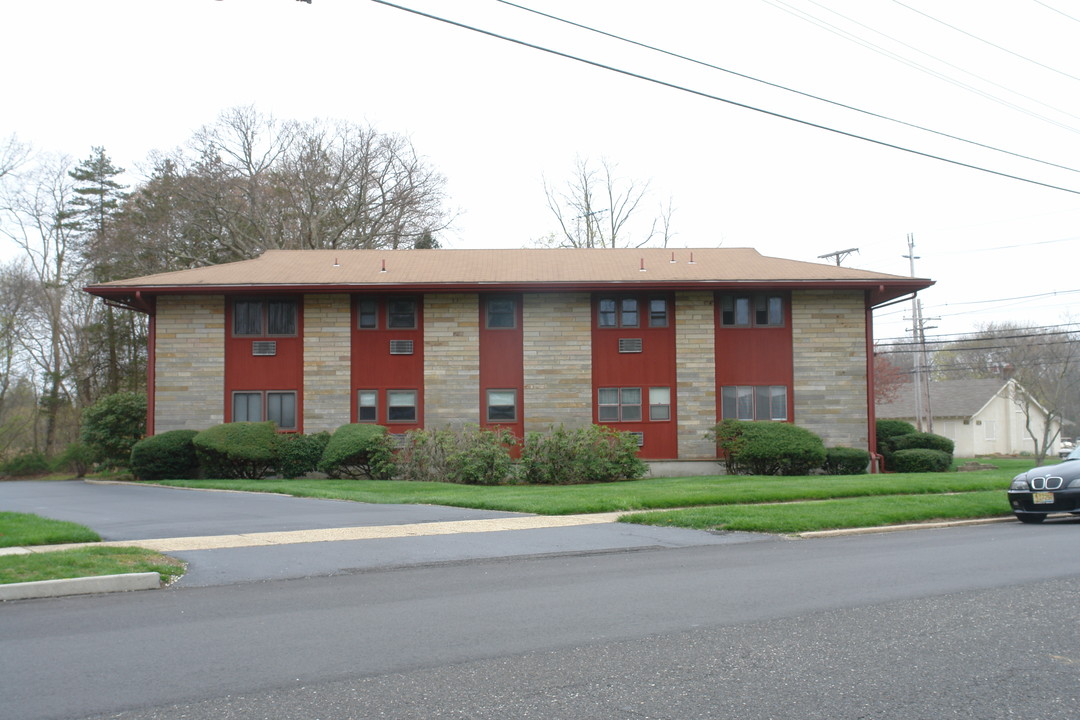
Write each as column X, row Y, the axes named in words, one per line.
column 151, row 361
column 871, row 414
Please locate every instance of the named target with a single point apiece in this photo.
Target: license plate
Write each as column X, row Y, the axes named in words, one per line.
column 1042, row 498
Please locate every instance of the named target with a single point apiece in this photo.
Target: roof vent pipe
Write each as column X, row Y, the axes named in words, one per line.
column 672, row 257
column 692, row 259
column 336, row 264
column 383, row 266
column 642, row 268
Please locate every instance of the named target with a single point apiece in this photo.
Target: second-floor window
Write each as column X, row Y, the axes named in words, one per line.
column 262, row 317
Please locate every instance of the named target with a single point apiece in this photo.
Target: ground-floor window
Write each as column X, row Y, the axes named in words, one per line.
column 276, row 406
column 401, row 406
column 618, row 404
column 753, row 402
column 367, row 406
column 501, row 406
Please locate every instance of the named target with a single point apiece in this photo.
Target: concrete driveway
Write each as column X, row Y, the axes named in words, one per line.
column 229, row 537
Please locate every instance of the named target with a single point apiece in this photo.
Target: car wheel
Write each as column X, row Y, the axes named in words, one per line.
column 1030, row 518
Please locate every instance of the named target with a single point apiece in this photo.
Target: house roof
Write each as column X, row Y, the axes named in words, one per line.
column 537, row 269
column 948, row 399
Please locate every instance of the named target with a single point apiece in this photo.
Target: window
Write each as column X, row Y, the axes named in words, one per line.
column 367, row 406
column 401, row 314
column 658, row 315
column 254, row 406
column 501, row 313
column 367, row 314
column 760, row 310
column 750, row 402
column 659, row 403
column 617, row 312
column 502, row 405
column 258, row 317
column 618, row 404
column 401, row 406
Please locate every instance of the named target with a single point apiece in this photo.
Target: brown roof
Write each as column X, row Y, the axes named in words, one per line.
column 948, row 399
column 343, row 270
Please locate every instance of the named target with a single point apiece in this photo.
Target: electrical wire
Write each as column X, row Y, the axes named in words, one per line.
column 982, row 40
column 778, row 86
column 717, row 98
column 1059, row 12
column 781, row 5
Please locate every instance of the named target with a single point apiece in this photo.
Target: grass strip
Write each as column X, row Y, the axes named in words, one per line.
column 85, row 562
column 787, row 518
column 23, row 529
column 652, row 493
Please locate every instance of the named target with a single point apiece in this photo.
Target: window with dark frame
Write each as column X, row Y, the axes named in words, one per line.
column 658, row 312
column 501, row 313
column 754, row 402
column 401, row 406
column 501, row 406
column 278, row 407
column 754, row 310
column 659, row 403
column 263, row 317
column 367, row 406
column 367, row 314
column 618, row 404
column 623, row 311
column 401, row 314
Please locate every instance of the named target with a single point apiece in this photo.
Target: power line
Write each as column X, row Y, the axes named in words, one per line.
column 1035, row 331
column 717, row 98
column 982, row 40
column 780, row 4
column 778, row 86
column 1059, row 12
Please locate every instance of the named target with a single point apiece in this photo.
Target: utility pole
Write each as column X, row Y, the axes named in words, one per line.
column 840, row 255
column 921, row 382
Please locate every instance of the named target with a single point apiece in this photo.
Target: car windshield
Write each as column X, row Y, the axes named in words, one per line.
column 1074, row 455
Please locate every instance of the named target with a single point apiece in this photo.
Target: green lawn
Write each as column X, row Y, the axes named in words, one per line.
column 86, row 562
column 24, row 529
column 653, row 493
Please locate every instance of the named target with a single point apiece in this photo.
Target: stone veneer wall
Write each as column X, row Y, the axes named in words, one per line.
column 695, row 371
column 557, row 345
column 451, row 359
column 327, row 371
column 189, row 377
column 829, row 346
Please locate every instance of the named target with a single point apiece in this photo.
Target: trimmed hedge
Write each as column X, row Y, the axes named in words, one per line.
column 168, row 456
column 920, row 460
column 887, row 433
column 584, row 455
column 928, row 441
column 244, row 450
column 358, row 450
column 768, row 448
column 297, row 454
column 846, row 461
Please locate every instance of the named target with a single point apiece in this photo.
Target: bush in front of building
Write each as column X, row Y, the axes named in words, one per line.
column 888, row 432
column 26, row 464
column 768, row 448
column 583, row 455
column 113, row 425
column 471, row 455
column 244, row 450
column 846, row 461
column 168, row 456
column 923, row 440
column 921, row 460
column 358, row 450
column 298, row 454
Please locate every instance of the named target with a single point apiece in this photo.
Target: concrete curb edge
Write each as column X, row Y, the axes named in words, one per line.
column 80, row 586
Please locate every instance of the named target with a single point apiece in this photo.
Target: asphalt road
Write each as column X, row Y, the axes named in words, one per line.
column 974, row 622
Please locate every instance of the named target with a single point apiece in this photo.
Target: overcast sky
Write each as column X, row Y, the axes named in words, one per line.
column 496, row 118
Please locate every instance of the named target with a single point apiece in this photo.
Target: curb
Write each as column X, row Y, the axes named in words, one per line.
column 80, row 586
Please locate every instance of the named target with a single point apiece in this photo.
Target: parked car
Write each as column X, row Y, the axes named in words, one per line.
column 1047, row 489
column 1067, row 446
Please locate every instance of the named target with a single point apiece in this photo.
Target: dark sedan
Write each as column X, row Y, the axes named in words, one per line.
column 1047, row 489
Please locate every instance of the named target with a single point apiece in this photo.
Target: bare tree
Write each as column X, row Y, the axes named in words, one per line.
column 13, row 154
column 599, row 209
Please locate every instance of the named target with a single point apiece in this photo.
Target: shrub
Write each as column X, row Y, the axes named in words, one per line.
column 112, row 425
column 77, row 457
column 928, row 441
column 768, row 448
column 590, row 454
column 473, row 456
column 168, row 456
column 26, row 464
column 919, row 460
column 237, row 450
column 298, row 454
column 846, row 461
column 358, row 450
column 887, row 432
